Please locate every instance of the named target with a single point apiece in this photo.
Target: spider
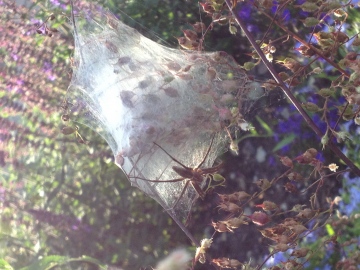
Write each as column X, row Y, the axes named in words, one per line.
column 192, row 176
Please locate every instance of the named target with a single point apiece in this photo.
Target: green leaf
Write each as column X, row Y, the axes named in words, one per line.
column 4, row 265
column 265, row 126
column 311, row 21
column 287, row 140
column 329, row 230
column 50, row 262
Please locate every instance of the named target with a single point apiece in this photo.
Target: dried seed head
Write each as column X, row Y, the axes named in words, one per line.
column 264, row 184
column 356, row 41
column 290, row 64
column 199, row 27
column 65, row 117
column 201, row 258
column 281, row 247
column 270, row 84
column 305, row 51
column 68, row 130
column 306, row 213
column 206, row 243
column 289, row 187
column 221, row 227
column 291, row 264
column 190, row 35
column 294, row 176
column 207, row 7
column 300, row 253
column 201, row 251
column 307, row 157
column 239, row 196
column 339, row 13
column 234, row 197
column 268, row 206
column 283, row 239
column 227, row 263
column 289, row 222
column 259, row 218
column 188, row 44
column 298, row 229
column 351, row 56
column 286, row 161
column 337, row 200
column 267, row 4
column 230, row 207
column 234, row 223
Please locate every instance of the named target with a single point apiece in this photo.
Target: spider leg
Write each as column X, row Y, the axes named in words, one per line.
column 181, row 194
column 174, row 159
column 212, row 169
column 198, row 189
column 207, row 153
column 158, row 181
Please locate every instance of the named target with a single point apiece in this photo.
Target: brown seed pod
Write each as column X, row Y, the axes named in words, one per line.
column 221, row 227
column 65, row 117
column 286, row 161
column 230, row 207
column 259, row 218
column 264, row 184
column 190, row 35
column 199, row 27
column 300, row 253
column 268, row 206
column 68, row 130
column 227, row 263
column 289, row 187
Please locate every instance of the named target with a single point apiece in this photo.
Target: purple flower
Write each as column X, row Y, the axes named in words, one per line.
column 51, row 77
column 19, row 82
column 244, row 12
column 55, row 2
column 14, row 56
column 47, row 66
column 276, row 259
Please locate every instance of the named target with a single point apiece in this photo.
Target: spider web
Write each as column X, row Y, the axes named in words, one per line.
column 135, row 93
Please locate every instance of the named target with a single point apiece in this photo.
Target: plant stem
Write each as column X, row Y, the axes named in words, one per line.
column 288, row 93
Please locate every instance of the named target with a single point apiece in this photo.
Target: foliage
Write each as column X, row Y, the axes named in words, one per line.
column 61, row 200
